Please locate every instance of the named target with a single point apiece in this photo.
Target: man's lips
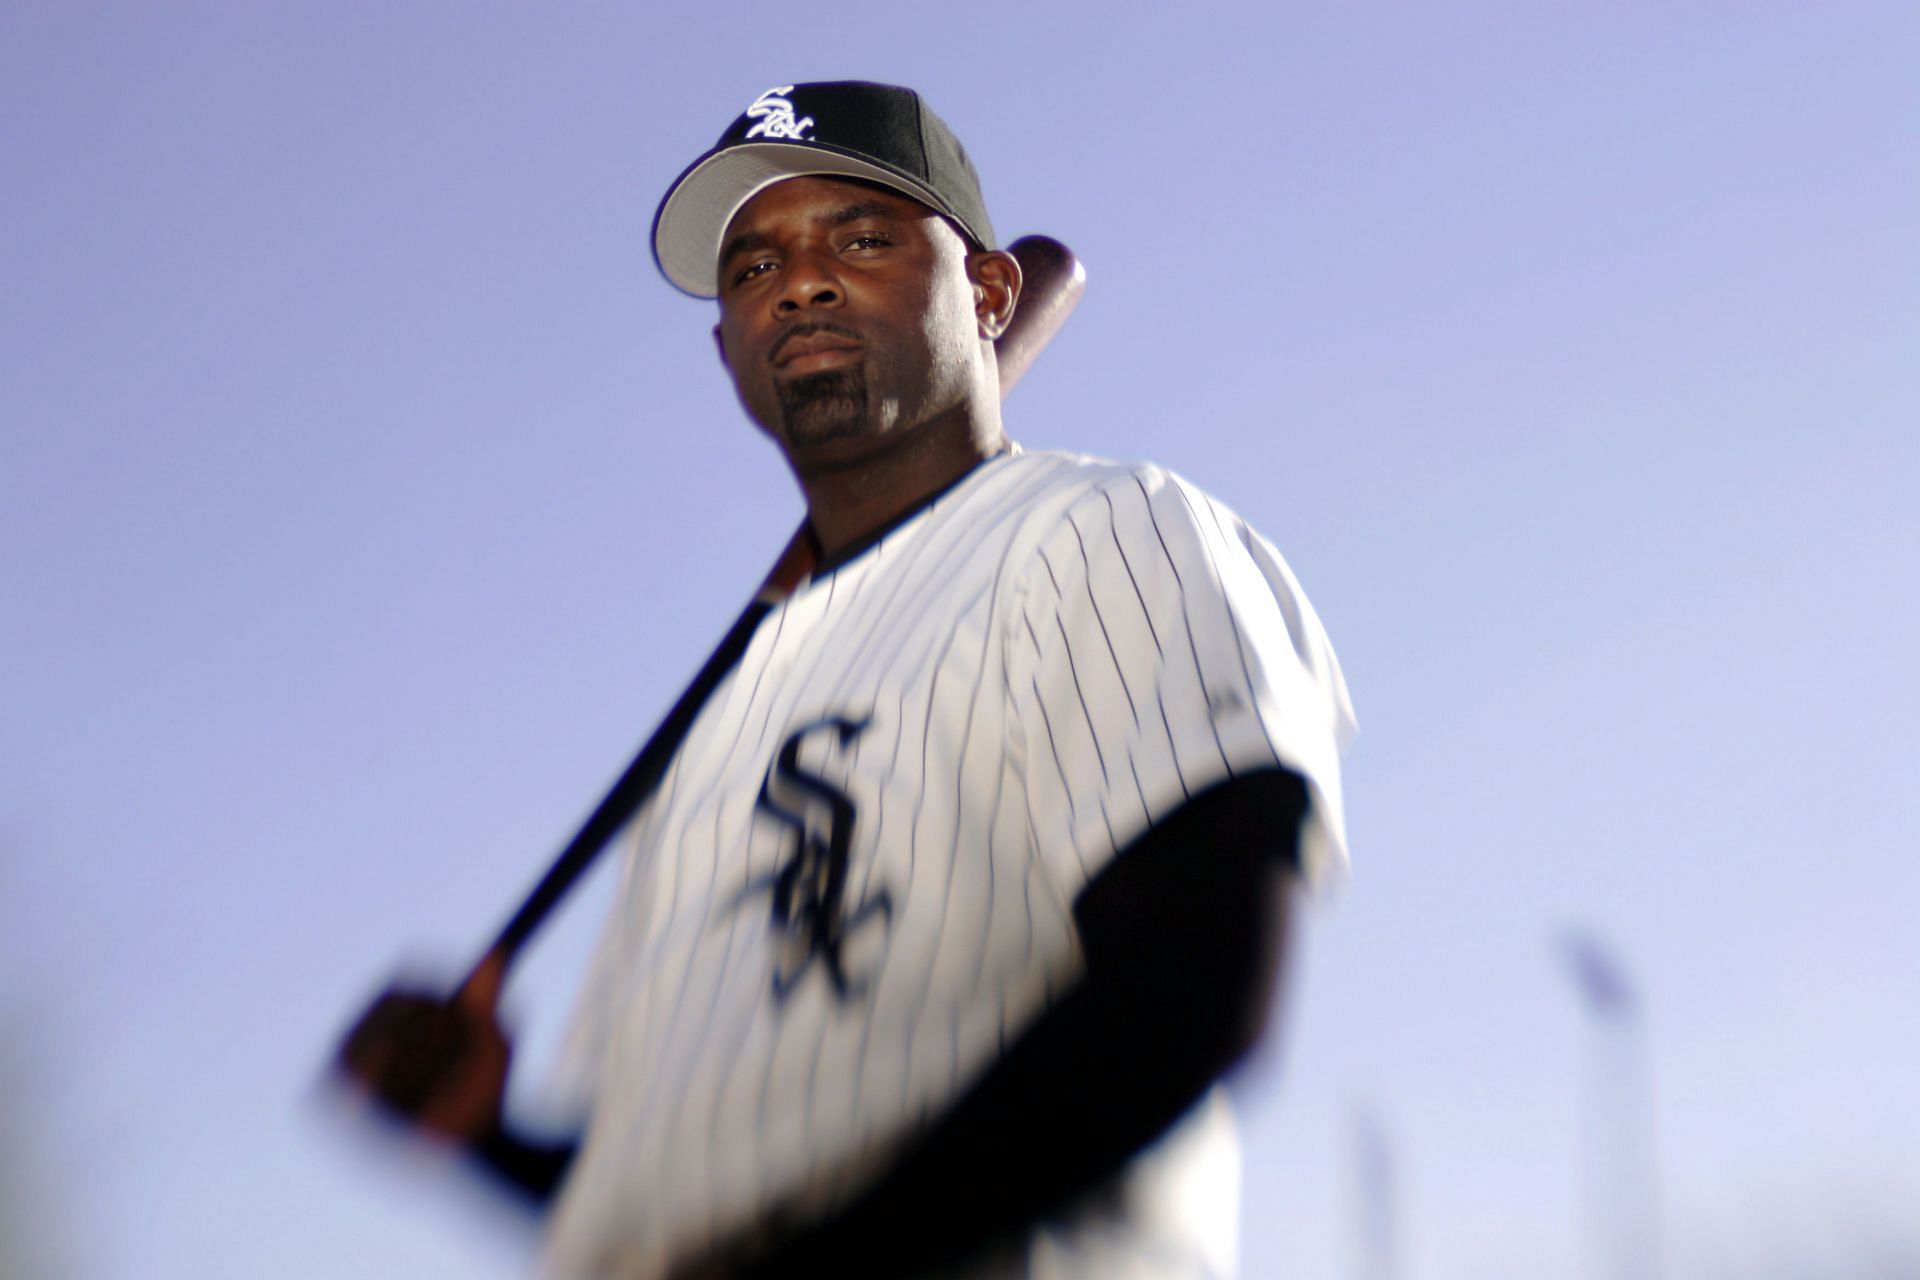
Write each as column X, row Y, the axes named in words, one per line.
column 820, row 349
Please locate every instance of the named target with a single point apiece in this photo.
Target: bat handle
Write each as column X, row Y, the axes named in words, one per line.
column 480, row 989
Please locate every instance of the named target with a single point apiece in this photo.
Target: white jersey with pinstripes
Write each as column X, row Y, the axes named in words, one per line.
column 853, row 888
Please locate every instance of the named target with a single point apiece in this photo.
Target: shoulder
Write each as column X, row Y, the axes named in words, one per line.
column 1139, row 529
column 1070, row 475
column 1135, row 508
column 1084, row 479
column 1062, row 490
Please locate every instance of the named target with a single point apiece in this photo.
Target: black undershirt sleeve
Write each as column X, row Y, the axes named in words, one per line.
column 526, row 1165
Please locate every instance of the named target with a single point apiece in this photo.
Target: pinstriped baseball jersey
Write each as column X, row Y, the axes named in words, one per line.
column 853, row 887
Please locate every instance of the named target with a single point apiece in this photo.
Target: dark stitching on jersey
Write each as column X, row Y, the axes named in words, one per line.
column 872, row 698
column 962, row 610
column 1145, row 612
column 1046, row 722
column 719, row 807
column 871, row 557
column 1026, row 896
column 1146, row 615
column 1173, row 747
column 1186, row 617
column 664, row 807
column 733, row 929
column 1146, row 809
column 1233, row 621
column 1031, row 637
column 861, row 601
column 1100, row 618
column 1072, row 667
column 1059, row 596
column 1072, row 808
column 1113, row 653
column 931, row 581
column 873, row 1006
column 746, row 1025
column 1113, row 841
column 690, row 1062
column 771, row 1069
column 663, row 804
column 1086, row 712
column 989, row 631
column 965, row 607
column 1132, row 743
column 913, row 837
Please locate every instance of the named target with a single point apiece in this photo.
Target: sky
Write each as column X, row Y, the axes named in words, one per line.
column 366, row 496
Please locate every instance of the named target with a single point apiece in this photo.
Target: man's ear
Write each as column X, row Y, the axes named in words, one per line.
column 996, row 290
column 720, row 345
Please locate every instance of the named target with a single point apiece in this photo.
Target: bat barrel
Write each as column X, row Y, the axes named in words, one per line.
column 1052, row 280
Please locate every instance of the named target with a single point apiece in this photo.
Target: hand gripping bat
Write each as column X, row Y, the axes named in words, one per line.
column 1052, row 282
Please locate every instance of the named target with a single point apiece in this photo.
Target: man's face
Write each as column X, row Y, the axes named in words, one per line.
column 846, row 317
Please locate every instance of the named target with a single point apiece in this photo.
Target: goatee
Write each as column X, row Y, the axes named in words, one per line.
column 830, row 405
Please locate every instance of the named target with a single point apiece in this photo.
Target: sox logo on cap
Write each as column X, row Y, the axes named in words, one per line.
column 775, row 116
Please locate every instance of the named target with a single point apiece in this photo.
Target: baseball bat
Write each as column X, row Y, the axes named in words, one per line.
column 1052, row 281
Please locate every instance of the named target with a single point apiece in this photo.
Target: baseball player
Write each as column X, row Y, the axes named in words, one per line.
column 970, row 879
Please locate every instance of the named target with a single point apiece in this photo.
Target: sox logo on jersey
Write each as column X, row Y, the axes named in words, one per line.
column 809, row 889
column 854, row 886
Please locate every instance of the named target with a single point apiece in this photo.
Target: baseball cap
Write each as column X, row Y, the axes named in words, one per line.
column 845, row 128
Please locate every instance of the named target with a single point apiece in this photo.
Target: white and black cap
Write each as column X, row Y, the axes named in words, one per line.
column 846, row 128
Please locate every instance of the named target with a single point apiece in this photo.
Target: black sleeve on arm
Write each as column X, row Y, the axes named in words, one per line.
column 528, row 1166
column 1182, row 936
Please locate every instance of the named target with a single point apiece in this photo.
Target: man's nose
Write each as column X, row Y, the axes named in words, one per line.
column 809, row 282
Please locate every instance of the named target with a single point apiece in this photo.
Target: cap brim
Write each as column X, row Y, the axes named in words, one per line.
column 694, row 217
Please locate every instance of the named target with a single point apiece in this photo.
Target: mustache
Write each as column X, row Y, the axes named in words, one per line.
column 807, row 330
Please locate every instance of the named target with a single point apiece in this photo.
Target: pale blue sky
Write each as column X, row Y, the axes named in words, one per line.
column 365, row 496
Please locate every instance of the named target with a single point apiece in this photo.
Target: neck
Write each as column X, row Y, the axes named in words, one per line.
column 846, row 500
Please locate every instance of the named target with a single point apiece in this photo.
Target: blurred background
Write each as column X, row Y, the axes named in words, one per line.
column 365, row 497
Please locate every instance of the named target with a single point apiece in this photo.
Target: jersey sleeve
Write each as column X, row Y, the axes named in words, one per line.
column 1158, row 646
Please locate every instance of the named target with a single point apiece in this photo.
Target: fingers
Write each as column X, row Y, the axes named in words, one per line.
column 402, row 1046
column 439, row 1064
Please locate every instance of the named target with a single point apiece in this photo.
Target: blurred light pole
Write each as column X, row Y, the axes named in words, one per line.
column 1620, row 1172
column 1374, row 1235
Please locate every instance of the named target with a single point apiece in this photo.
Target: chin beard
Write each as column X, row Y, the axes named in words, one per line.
column 831, row 405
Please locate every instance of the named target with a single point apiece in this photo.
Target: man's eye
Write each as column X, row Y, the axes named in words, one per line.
column 871, row 240
column 751, row 270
